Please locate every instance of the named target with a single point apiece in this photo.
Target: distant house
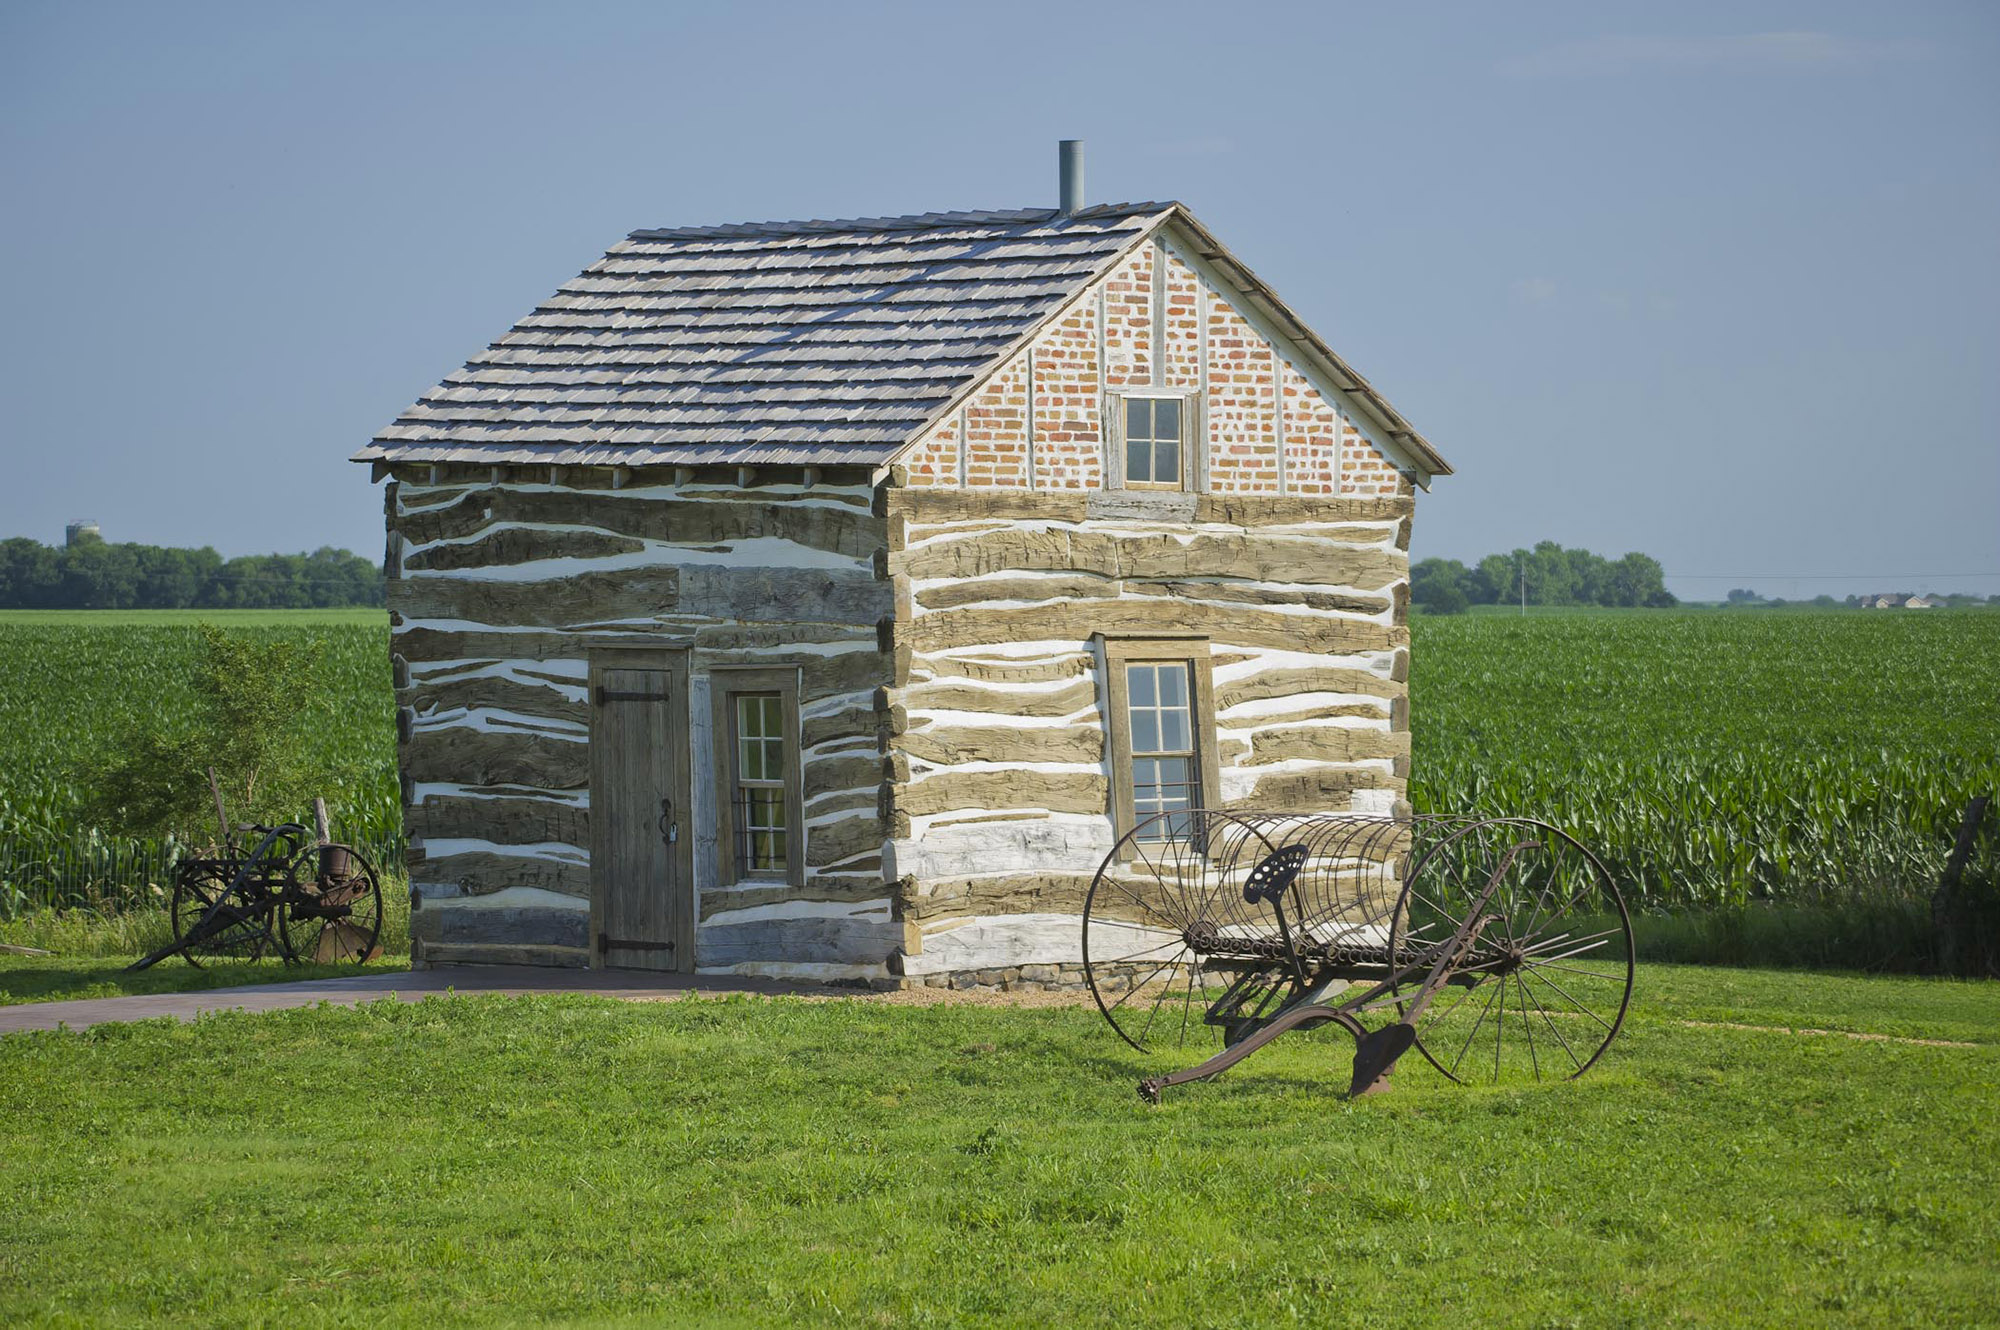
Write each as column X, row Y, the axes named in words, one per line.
column 1919, row 603
column 826, row 598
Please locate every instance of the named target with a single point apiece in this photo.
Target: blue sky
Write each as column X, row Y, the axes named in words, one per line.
column 1714, row 281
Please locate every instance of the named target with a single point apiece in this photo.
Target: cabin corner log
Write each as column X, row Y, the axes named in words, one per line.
column 845, row 837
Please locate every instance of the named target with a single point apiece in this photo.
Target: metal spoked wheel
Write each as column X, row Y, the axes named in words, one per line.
column 1176, row 955
column 333, row 913
column 1158, row 889
column 198, row 889
column 1543, row 988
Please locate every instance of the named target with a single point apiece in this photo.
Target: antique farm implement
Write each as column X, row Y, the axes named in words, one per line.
column 292, row 893
column 1496, row 947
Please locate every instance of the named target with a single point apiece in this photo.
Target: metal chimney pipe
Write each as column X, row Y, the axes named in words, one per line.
column 1069, row 153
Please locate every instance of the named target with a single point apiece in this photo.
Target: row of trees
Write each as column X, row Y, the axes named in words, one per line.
column 1548, row 575
column 92, row 574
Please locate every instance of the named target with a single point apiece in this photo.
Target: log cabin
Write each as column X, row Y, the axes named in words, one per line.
column 825, row 599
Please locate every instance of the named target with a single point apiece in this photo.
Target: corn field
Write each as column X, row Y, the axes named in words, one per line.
column 73, row 688
column 1717, row 758
column 1712, row 758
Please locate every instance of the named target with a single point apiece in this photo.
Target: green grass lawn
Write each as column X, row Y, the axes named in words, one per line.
column 479, row 1161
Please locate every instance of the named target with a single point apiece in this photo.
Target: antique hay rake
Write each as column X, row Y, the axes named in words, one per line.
column 1498, row 947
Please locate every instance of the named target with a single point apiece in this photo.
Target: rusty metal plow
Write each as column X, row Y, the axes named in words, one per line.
column 1498, row 948
column 288, row 894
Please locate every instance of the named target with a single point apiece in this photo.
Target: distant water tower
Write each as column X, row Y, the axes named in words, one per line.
column 77, row 531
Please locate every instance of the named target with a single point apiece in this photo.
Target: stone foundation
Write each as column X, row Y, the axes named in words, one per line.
column 1027, row 979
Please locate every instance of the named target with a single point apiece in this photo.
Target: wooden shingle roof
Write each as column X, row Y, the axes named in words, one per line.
column 782, row 342
column 824, row 343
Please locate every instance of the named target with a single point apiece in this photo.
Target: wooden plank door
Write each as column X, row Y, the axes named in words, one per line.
column 642, row 897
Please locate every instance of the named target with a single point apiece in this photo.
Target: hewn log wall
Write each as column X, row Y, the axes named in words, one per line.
column 499, row 590
column 1000, row 810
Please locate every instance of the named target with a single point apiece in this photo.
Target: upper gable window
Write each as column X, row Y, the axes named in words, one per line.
column 1153, row 442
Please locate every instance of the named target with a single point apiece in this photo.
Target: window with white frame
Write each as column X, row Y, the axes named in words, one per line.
column 1153, row 442
column 760, row 820
column 761, row 826
column 1166, row 770
column 1160, row 733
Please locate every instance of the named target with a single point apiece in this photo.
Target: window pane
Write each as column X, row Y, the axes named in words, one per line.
column 1167, row 462
column 1173, row 731
column 1138, row 461
column 1138, row 418
column 767, row 809
column 763, row 837
column 750, row 760
column 1139, row 678
column 1173, row 685
column 1145, row 730
column 1167, row 418
column 774, row 725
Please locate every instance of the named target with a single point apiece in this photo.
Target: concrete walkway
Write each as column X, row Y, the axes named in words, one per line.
column 402, row 985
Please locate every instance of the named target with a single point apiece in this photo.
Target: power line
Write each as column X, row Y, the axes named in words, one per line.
column 1824, row 577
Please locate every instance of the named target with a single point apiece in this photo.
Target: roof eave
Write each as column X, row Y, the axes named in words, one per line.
column 1388, row 421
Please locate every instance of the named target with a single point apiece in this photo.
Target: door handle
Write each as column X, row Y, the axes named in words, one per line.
column 670, row 830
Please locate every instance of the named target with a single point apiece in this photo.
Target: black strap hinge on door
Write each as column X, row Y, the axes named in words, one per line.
column 607, row 695
column 606, row 942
